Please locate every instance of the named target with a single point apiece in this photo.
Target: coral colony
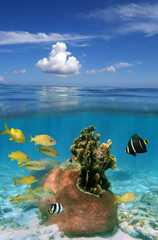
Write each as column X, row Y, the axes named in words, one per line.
column 95, row 159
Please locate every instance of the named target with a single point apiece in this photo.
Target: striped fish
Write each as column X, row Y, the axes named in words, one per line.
column 136, row 145
column 55, row 208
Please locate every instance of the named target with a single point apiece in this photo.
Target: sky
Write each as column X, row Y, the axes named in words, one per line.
column 79, row 43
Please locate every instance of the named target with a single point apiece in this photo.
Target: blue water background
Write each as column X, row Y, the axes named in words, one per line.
column 62, row 112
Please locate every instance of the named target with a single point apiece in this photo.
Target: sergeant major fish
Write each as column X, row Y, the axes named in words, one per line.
column 44, row 140
column 55, row 208
column 136, row 145
column 15, row 134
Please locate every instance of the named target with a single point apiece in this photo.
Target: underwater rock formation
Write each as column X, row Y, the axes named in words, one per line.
column 95, row 159
column 83, row 213
column 81, row 187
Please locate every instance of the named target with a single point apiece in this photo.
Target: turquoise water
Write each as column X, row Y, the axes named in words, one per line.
column 62, row 112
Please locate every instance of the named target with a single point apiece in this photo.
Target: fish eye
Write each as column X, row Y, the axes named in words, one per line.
column 51, row 140
column 50, row 192
column 27, row 157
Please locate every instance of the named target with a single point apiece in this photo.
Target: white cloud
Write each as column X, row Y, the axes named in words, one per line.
column 20, row 37
column 130, row 18
column 20, row 71
column 110, row 69
column 1, row 79
column 123, row 65
column 58, row 62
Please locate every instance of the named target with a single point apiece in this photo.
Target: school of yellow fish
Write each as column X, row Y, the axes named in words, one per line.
column 24, row 160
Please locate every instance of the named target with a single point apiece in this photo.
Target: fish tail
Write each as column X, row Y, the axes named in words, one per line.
column 30, row 190
column 116, row 199
column 6, row 130
column 15, row 181
column 20, row 164
column 11, row 199
column 146, row 141
column 31, row 138
column 39, row 148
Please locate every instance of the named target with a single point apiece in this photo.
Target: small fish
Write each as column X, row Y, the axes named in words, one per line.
column 19, row 156
column 49, row 151
column 25, row 180
column 127, row 197
column 136, row 145
column 55, row 208
column 24, row 198
column 15, row 134
column 44, row 140
column 42, row 192
column 34, row 165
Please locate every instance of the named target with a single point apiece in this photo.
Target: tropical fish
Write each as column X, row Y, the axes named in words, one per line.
column 127, row 197
column 15, row 134
column 44, row 140
column 49, row 151
column 25, row 180
column 136, row 145
column 34, row 165
column 19, row 156
column 42, row 192
column 55, row 208
column 24, row 198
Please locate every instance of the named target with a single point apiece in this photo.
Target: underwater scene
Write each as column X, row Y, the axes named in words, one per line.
column 78, row 163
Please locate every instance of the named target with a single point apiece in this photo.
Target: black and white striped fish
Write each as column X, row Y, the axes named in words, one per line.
column 136, row 145
column 55, row 208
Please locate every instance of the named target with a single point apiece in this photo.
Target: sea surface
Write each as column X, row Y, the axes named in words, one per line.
column 62, row 112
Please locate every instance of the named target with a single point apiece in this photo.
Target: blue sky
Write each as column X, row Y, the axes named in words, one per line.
column 79, row 43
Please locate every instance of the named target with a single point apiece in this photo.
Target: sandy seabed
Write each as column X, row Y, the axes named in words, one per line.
column 137, row 219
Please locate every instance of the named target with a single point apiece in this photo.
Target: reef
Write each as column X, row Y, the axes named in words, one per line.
column 81, row 187
column 95, row 159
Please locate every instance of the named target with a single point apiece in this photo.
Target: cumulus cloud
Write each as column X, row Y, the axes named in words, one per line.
column 20, row 37
column 59, row 62
column 20, row 71
column 1, row 79
column 110, row 69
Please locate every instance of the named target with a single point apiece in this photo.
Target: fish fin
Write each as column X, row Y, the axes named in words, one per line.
column 15, row 181
column 116, row 199
column 39, row 148
column 30, row 190
column 36, row 143
column 6, row 130
column 32, row 139
column 11, row 199
column 21, row 165
column 146, row 141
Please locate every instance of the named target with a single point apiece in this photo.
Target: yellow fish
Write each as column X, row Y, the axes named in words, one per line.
column 25, row 180
column 127, row 197
column 42, row 192
column 19, row 156
column 34, row 165
column 44, row 140
column 15, row 134
column 49, row 151
column 24, row 198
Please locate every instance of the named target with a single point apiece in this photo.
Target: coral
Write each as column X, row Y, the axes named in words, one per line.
column 83, row 213
column 94, row 159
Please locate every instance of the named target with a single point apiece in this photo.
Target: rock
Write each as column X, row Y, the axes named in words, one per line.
column 83, row 213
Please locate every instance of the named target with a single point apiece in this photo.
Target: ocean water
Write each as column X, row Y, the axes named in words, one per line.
column 62, row 112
